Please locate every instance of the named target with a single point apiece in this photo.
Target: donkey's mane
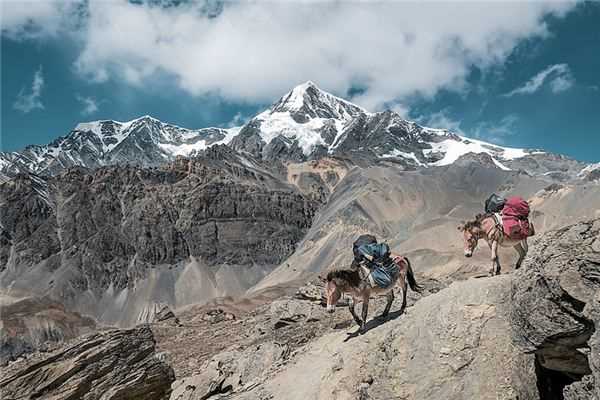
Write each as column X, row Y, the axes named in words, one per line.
column 476, row 223
column 350, row 276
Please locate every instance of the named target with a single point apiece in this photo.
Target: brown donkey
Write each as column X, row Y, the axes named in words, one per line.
column 349, row 281
column 487, row 227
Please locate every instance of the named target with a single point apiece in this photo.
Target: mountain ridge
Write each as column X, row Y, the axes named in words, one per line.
column 306, row 123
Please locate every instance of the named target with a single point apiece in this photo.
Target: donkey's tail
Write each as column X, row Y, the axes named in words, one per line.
column 410, row 277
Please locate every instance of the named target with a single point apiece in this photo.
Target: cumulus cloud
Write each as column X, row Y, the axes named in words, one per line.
column 441, row 120
column 28, row 101
column 496, row 132
column 255, row 51
column 237, row 120
column 558, row 76
column 90, row 105
column 31, row 19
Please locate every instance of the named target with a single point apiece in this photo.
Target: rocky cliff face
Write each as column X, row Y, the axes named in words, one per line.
column 88, row 236
column 556, row 311
column 108, row 365
column 33, row 324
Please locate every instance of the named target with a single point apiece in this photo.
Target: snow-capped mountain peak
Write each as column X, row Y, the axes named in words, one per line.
column 144, row 140
column 307, row 101
column 306, row 123
column 307, row 116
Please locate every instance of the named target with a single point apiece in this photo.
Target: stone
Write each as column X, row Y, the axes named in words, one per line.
column 110, row 365
column 556, row 308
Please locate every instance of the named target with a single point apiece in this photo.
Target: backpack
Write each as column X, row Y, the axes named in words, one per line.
column 494, row 204
column 516, row 207
column 375, row 252
column 514, row 218
column 361, row 241
column 366, row 246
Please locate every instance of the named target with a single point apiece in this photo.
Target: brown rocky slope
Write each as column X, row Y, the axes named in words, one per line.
column 525, row 335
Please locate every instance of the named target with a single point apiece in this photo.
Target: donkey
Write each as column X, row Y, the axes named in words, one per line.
column 349, row 281
column 487, row 227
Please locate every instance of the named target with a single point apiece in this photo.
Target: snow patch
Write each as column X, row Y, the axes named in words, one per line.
column 94, row 126
column 183, row 149
column 453, row 149
column 282, row 123
column 589, row 168
column 397, row 153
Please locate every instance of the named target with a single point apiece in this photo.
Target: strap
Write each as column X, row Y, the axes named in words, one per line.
column 369, row 277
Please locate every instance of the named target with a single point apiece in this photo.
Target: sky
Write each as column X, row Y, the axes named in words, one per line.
column 521, row 74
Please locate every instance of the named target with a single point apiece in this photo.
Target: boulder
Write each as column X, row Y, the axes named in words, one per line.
column 111, row 365
column 556, row 310
column 37, row 323
column 229, row 372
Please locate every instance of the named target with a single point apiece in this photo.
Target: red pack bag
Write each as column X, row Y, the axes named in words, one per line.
column 514, row 218
column 516, row 207
column 515, row 228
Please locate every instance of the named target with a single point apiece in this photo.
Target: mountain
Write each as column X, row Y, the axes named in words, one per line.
column 305, row 124
column 140, row 222
column 113, row 241
column 143, row 141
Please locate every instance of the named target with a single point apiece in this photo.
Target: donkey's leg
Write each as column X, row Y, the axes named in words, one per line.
column 365, row 310
column 519, row 248
column 390, row 300
column 495, row 260
column 353, row 312
column 404, row 292
column 525, row 247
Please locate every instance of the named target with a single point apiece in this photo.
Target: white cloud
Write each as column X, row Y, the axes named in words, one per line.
column 496, row 132
column 237, row 120
column 441, row 120
column 562, row 83
column 90, row 105
column 30, row 19
column 27, row 102
column 558, row 75
column 256, row 51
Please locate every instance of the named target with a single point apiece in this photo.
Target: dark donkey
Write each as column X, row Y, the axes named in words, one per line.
column 350, row 282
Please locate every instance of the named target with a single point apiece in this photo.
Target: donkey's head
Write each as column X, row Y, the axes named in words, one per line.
column 471, row 233
column 332, row 294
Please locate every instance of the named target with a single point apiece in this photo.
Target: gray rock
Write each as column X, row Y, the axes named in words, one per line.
column 31, row 324
column 556, row 307
column 230, row 372
column 117, row 364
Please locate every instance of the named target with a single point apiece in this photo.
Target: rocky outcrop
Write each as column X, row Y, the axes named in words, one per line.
column 230, row 371
column 157, row 312
column 556, row 313
column 34, row 324
column 117, row 364
column 132, row 230
column 448, row 345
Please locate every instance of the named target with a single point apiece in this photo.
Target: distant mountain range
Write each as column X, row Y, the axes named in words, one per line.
column 306, row 123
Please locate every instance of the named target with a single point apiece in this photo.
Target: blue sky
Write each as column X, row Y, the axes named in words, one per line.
column 517, row 74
